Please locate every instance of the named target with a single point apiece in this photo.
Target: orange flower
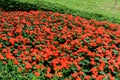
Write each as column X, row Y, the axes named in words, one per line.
column 38, row 66
column 19, row 30
column 98, row 40
column 100, row 30
column 100, row 77
column 48, row 70
column 4, row 62
column 0, row 45
column 94, row 76
column 16, row 62
column 9, row 56
column 101, row 66
column 1, row 57
column 111, row 77
column 59, row 74
column 92, row 43
column 12, row 41
column 92, row 62
column 74, row 75
column 49, row 75
column 20, row 69
column 87, row 77
column 80, row 73
column 111, row 68
column 4, row 38
column 78, row 67
column 78, row 78
column 10, row 34
column 28, row 65
column 37, row 74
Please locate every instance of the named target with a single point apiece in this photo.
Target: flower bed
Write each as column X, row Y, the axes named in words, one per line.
column 60, row 46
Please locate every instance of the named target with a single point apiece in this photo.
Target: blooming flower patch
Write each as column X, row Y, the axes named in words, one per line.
column 60, row 46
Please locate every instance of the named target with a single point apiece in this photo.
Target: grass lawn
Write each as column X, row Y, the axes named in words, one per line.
column 105, row 7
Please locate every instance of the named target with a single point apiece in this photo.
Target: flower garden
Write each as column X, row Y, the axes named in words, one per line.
column 53, row 46
column 57, row 43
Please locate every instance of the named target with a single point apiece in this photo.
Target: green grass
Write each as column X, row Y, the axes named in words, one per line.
column 104, row 7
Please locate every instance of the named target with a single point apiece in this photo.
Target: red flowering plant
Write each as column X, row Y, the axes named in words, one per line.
column 60, row 46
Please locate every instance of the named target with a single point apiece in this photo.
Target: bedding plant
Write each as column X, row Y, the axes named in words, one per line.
column 55, row 46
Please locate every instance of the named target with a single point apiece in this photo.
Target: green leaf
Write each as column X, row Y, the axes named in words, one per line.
column 16, row 44
column 61, row 40
column 87, row 40
column 104, row 59
column 34, row 58
column 113, row 36
column 115, row 52
column 84, row 62
column 56, row 38
column 60, row 28
column 97, row 58
column 101, row 72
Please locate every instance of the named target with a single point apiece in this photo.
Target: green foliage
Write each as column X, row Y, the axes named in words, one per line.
column 55, row 7
column 9, row 5
column 10, row 72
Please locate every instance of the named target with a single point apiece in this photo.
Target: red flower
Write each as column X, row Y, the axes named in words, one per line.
column 9, row 56
column 59, row 74
column 18, row 30
column 87, row 77
column 94, row 70
column 92, row 44
column 16, row 62
column 74, row 75
column 20, row 69
column 111, row 77
column 0, row 45
column 1, row 57
column 49, row 75
column 28, row 65
column 12, row 41
column 78, row 78
column 111, row 68
column 92, row 62
column 48, row 70
column 100, row 77
column 37, row 74
column 4, row 38
column 101, row 66
column 100, row 30
column 15, row 51
column 98, row 40
column 10, row 34
column 4, row 62
column 92, row 54
column 38, row 66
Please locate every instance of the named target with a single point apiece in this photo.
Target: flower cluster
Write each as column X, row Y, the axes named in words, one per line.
column 60, row 45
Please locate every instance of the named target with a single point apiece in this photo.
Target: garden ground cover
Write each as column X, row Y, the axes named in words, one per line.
column 54, row 46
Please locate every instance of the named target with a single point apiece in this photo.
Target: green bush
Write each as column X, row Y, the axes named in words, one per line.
column 13, row 5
